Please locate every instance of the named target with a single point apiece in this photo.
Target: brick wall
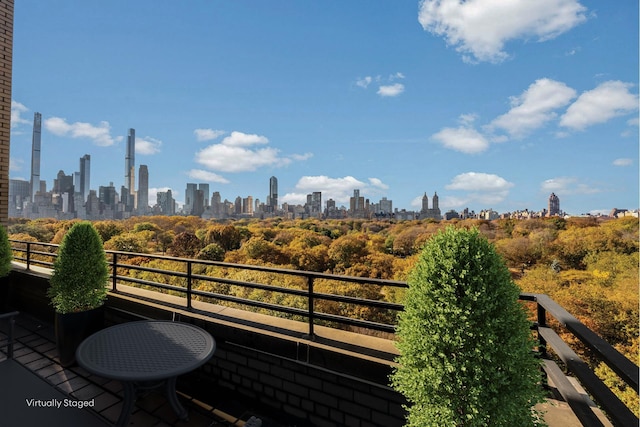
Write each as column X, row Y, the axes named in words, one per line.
column 322, row 397
column 6, row 53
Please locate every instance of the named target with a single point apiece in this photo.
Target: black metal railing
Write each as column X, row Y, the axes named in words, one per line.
column 43, row 254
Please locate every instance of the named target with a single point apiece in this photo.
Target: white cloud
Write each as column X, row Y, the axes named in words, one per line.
column 148, row 145
column 481, row 28
column 202, row 175
column 391, row 90
column 464, row 139
column 16, row 114
column 364, row 82
column 608, row 100
column 100, row 134
column 338, row 189
column 534, row 107
column 478, row 181
column 377, row 183
column 482, row 188
column 300, row 157
column 567, row 185
column 623, row 162
column 386, row 86
column 15, row 165
column 207, row 134
column 244, row 139
column 236, row 154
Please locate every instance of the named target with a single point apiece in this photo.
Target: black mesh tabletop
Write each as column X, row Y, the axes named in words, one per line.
column 145, row 350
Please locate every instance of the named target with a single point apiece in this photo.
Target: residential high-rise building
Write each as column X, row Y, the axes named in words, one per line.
column 35, row 154
column 190, row 198
column 107, row 197
column 272, row 199
column 386, row 206
column 143, row 189
column 205, row 192
column 554, row 205
column 166, row 202
column 130, row 161
column 357, row 206
column 425, row 203
column 85, row 176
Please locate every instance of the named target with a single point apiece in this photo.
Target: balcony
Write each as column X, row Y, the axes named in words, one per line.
column 290, row 364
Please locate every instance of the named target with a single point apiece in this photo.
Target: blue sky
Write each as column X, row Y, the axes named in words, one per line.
column 491, row 104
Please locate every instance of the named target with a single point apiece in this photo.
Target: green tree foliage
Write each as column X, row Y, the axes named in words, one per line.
column 348, row 250
column 127, row 242
column 185, row 244
column 226, row 236
column 211, row 252
column 6, row 254
column 464, row 339
column 108, row 229
column 80, row 271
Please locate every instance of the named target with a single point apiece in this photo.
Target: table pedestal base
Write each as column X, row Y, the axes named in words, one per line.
column 131, row 390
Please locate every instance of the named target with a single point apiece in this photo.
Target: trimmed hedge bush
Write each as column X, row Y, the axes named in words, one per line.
column 80, row 271
column 465, row 341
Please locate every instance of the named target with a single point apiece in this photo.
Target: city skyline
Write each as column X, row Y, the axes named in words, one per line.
column 392, row 99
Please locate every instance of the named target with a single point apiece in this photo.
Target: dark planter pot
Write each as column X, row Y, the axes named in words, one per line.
column 4, row 294
column 72, row 328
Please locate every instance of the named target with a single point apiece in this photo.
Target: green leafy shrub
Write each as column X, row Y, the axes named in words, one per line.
column 6, row 255
column 80, row 271
column 464, row 339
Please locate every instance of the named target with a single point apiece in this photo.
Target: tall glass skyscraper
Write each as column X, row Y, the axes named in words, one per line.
column 35, row 154
column 85, row 177
column 130, row 162
column 272, row 200
column 143, row 190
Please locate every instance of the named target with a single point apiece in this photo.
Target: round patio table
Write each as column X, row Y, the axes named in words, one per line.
column 145, row 355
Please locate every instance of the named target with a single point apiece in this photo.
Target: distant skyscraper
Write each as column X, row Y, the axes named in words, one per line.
column 205, row 192
column 130, row 162
column 273, row 194
column 85, row 176
column 107, row 196
column 190, row 198
column 166, row 202
column 143, row 189
column 425, row 203
column 35, row 154
column 554, row 205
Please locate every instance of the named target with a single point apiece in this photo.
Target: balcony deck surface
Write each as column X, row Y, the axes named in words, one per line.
column 35, row 349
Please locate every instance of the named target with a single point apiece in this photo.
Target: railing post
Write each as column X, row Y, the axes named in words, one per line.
column 311, row 303
column 189, row 284
column 114, row 271
column 28, row 256
column 542, row 323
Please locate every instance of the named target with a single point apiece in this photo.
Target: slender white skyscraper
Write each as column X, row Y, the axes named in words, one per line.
column 130, row 162
column 128, row 193
column 35, row 155
column 85, row 176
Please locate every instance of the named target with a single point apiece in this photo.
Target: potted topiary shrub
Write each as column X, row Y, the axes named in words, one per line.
column 78, row 288
column 6, row 255
column 464, row 339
